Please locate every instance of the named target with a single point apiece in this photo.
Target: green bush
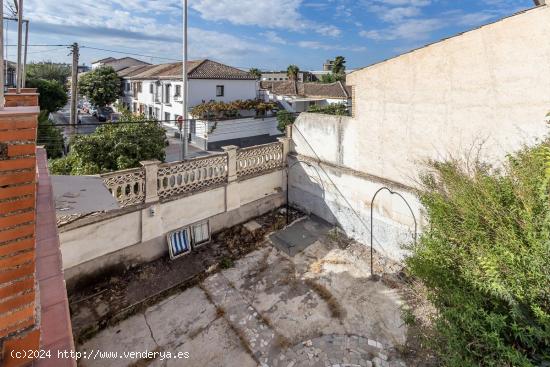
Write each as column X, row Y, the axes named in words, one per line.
column 113, row 147
column 52, row 94
column 50, row 136
column 284, row 118
column 339, row 109
column 484, row 259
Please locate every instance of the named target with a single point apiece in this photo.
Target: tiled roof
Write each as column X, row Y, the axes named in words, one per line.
column 201, row 69
column 125, row 62
column 292, row 88
column 107, row 59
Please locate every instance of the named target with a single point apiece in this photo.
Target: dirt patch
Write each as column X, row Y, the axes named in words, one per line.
column 336, row 309
column 123, row 293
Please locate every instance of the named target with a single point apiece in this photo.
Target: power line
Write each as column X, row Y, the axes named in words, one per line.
column 128, row 53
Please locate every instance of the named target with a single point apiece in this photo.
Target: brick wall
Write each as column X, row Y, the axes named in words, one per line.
column 18, row 294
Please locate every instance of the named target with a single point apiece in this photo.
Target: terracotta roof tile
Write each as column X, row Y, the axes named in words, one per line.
column 291, row 88
column 200, row 69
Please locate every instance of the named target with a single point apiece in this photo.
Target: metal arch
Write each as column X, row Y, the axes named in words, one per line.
column 288, row 168
column 371, row 223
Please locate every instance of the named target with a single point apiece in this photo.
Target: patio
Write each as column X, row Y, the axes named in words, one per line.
column 316, row 308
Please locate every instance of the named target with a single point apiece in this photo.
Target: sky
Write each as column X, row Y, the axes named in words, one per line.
column 266, row 34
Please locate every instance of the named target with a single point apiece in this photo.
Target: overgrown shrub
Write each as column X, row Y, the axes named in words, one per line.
column 284, row 118
column 484, row 259
column 50, row 136
column 113, row 147
column 339, row 109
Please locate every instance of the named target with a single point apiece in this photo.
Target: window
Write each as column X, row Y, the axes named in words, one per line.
column 157, row 112
column 166, row 116
column 179, row 243
column 135, row 108
column 178, row 91
column 151, row 88
column 201, row 234
column 220, row 90
column 167, row 91
column 150, row 111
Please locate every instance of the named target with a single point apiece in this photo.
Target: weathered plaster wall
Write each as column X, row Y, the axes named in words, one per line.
column 490, row 86
column 139, row 235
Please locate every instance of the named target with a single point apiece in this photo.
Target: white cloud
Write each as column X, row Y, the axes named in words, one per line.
column 273, row 37
column 316, row 45
column 279, row 14
column 412, row 29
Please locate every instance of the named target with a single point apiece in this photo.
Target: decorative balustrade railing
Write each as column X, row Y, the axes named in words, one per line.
column 157, row 181
column 260, row 158
column 127, row 186
column 192, row 175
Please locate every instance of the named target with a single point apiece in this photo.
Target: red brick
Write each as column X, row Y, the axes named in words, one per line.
column 20, row 272
column 16, row 219
column 30, row 341
column 15, row 178
column 17, row 302
column 13, row 123
column 14, row 247
column 21, row 149
column 14, row 261
column 17, row 287
column 25, row 313
column 18, row 327
column 11, row 192
column 19, row 232
column 23, row 203
column 21, row 134
column 15, row 164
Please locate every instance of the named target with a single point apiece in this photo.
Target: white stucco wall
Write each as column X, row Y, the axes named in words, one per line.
column 86, row 243
column 240, row 128
column 489, row 85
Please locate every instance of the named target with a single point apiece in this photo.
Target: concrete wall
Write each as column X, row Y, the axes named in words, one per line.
column 138, row 236
column 490, row 86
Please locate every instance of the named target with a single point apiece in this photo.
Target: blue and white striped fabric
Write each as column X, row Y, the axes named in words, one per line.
column 179, row 243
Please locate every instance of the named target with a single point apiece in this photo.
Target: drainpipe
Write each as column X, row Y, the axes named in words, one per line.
column 19, row 44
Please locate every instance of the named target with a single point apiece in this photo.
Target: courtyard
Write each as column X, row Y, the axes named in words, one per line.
column 315, row 308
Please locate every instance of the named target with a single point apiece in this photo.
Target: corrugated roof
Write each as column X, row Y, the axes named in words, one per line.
column 292, row 88
column 200, row 69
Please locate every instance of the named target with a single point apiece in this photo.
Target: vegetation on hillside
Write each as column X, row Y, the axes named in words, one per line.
column 113, row 147
column 484, row 259
column 102, row 86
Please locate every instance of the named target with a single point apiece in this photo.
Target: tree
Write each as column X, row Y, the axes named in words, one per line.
column 483, row 259
column 50, row 136
column 48, row 70
column 284, row 118
column 102, row 86
column 113, row 147
column 339, row 65
column 255, row 72
column 328, row 78
column 292, row 72
column 52, row 94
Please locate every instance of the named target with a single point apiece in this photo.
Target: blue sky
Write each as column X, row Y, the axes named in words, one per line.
column 268, row 34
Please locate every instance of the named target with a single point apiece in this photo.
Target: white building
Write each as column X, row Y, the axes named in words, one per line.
column 156, row 92
column 299, row 97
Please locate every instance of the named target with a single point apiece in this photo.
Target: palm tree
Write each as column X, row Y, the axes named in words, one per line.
column 339, row 66
column 255, row 72
column 292, row 72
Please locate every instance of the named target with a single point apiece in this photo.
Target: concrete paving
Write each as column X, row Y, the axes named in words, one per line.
column 265, row 312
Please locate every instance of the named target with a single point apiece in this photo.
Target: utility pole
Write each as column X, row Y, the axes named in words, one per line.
column 19, row 43
column 24, row 76
column 184, row 131
column 74, row 85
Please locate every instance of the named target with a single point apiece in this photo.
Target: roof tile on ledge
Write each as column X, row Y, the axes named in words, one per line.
column 55, row 322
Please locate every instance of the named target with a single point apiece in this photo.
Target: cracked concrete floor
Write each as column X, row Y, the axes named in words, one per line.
column 264, row 312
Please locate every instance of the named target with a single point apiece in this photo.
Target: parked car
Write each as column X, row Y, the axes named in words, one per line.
column 92, row 110
column 104, row 113
column 85, row 107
